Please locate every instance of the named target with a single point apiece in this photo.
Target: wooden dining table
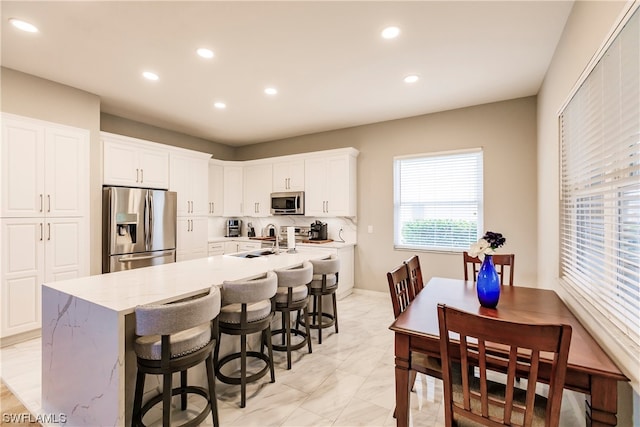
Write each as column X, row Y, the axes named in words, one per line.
column 589, row 369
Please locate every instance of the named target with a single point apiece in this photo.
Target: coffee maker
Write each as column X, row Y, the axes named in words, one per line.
column 233, row 228
column 318, row 231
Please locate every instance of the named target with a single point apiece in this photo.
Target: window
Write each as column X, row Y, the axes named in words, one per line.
column 438, row 200
column 600, row 189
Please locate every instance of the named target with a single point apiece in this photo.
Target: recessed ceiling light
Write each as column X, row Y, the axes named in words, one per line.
column 411, row 78
column 205, row 53
column 23, row 25
column 150, row 76
column 220, row 105
column 390, row 32
column 271, row 91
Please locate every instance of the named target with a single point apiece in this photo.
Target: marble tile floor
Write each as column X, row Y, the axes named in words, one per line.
column 348, row 380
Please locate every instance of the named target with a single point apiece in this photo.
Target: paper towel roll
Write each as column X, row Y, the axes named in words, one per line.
column 291, row 237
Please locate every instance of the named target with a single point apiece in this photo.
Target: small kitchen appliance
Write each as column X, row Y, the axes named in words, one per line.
column 318, row 231
column 233, row 227
column 287, row 203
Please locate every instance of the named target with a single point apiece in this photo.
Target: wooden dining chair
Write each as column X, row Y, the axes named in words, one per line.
column 415, row 273
column 497, row 347
column 402, row 294
column 501, row 261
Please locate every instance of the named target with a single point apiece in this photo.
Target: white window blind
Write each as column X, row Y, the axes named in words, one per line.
column 438, row 200
column 600, row 187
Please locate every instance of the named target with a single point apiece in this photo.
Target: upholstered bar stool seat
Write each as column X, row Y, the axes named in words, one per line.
column 247, row 308
column 325, row 282
column 291, row 296
column 173, row 338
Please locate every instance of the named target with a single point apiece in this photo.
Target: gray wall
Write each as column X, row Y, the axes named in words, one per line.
column 507, row 133
column 587, row 29
column 122, row 126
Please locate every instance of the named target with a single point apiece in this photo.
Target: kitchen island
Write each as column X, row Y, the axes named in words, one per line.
column 88, row 329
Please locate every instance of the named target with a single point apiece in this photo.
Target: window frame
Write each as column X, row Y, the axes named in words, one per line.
column 614, row 336
column 397, row 231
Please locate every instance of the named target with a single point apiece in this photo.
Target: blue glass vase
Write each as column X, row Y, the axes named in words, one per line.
column 488, row 283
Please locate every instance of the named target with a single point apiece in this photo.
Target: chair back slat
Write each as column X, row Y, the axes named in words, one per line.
column 400, row 289
column 415, row 274
column 500, row 261
column 497, row 347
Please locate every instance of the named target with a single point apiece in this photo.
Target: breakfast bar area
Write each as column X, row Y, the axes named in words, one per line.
column 88, row 363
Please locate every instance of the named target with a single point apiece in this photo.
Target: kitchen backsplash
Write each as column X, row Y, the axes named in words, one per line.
column 349, row 228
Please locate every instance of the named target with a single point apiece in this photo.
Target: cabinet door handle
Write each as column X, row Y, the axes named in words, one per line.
column 48, row 202
column 327, row 206
column 137, row 175
column 141, row 175
column 41, row 232
column 41, row 204
column 48, row 231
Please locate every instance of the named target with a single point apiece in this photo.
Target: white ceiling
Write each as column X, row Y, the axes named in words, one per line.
column 327, row 59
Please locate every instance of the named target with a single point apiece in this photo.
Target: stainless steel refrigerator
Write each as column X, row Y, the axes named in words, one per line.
column 139, row 228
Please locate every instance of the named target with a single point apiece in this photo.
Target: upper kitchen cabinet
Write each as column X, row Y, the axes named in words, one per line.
column 257, row 189
column 216, row 188
column 330, row 183
column 189, row 177
column 44, row 169
column 134, row 162
column 233, row 185
column 288, row 175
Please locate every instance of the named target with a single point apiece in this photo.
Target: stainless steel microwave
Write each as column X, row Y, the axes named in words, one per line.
column 287, row 203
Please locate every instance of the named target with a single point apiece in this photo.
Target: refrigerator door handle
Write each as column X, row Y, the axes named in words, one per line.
column 151, row 225
column 143, row 257
column 145, row 224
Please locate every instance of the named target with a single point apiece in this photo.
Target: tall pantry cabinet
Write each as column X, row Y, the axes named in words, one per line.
column 44, row 208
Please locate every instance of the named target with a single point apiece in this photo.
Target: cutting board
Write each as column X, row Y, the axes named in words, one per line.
column 318, row 241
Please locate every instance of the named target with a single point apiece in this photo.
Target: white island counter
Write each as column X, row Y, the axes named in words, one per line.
column 88, row 328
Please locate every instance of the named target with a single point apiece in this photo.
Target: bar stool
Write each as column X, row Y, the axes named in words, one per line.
column 325, row 282
column 173, row 338
column 247, row 308
column 292, row 296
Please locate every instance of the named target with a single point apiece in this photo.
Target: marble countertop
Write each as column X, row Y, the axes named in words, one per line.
column 122, row 291
column 334, row 244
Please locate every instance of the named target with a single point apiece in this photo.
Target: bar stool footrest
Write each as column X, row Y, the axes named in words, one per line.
column 237, row 380
column 295, row 332
column 321, row 324
column 176, row 392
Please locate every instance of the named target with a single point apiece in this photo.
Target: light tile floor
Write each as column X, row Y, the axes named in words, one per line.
column 348, row 380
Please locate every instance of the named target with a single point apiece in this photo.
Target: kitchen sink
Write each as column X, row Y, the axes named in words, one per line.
column 254, row 254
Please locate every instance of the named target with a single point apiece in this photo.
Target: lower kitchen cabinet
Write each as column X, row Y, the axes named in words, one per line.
column 36, row 251
column 191, row 238
column 215, row 248
column 346, row 275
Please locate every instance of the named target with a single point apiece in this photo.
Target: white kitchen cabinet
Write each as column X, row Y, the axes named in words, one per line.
column 189, row 178
column 215, row 248
column 44, row 169
column 230, row 247
column 44, row 234
column 36, row 251
column 330, row 185
column 216, row 189
column 257, row 183
column 191, row 238
column 288, row 175
column 233, row 190
column 248, row 246
column 134, row 162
